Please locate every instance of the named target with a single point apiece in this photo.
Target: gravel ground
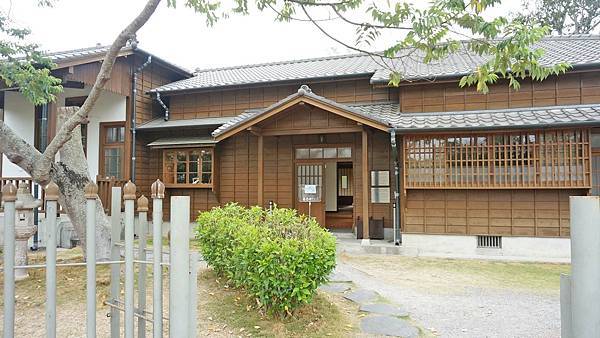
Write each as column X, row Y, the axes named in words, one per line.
column 451, row 306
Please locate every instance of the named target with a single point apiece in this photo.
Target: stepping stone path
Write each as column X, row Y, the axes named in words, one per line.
column 338, row 277
column 389, row 326
column 381, row 318
column 384, row 309
column 335, row 287
column 362, row 296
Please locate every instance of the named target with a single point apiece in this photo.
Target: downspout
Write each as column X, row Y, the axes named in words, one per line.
column 133, row 113
column 397, row 232
column 163, row 105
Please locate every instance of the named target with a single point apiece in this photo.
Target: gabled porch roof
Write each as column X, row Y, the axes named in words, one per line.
column 304, row 95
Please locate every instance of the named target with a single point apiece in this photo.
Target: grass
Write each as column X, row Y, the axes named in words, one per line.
column 70, row 281
column 323, row 317
column 542, row 277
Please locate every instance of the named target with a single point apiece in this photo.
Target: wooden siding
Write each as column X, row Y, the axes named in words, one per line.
column 568, row 89
column 304, row 116
column 235, row 101
column 120, row 77
column 148, row 161
column 540, row 213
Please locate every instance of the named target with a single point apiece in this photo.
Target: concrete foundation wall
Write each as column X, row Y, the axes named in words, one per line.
column 513, row 248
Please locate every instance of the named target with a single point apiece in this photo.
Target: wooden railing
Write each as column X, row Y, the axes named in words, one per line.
column 19, row 181
column 105, row 185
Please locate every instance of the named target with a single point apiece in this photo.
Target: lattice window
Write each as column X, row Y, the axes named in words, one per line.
column 533, row 159
column 191, row 168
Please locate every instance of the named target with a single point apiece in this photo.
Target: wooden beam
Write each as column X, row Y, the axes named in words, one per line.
column 305, row 131
column 365, row 183
column 261, row 171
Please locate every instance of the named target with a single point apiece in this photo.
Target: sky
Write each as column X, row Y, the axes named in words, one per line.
column 182, row 37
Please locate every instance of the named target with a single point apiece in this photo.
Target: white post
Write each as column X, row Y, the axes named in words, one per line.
column 143, row 221
column 585, row 266
column 9, row 196
column 193, row 311
column 179, row 267
column 91, row 194
column 129, row 197
column 51, row 209
column 158, row 193
column 115, row 255
column 565, row 306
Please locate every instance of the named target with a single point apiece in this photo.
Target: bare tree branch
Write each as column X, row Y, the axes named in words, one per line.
column 64, row 134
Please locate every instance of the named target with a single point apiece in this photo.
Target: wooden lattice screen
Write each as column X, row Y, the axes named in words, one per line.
column 528, row 159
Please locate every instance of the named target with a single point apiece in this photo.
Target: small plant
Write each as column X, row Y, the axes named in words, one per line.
column 277, row 256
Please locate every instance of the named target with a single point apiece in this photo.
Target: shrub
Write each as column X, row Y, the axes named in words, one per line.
column 277, row 256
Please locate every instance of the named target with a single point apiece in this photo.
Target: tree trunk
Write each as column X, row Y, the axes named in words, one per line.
column 71, row 175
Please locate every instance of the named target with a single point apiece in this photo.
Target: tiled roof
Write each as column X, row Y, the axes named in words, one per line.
column 555, row 116
column 160, row 123
column 576, row 49
column 62, row 57
column 181, row 141
column 386, row 114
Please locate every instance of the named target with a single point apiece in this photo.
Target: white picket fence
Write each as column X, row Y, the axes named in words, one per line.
column 182, row 264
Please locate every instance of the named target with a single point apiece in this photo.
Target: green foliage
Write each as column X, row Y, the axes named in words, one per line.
column 22, row 65
column 277, row 256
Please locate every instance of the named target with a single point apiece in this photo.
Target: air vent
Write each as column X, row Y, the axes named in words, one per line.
column 489, row 242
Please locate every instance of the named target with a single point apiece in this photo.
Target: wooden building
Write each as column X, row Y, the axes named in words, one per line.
column 467, row 170
column 454, row 170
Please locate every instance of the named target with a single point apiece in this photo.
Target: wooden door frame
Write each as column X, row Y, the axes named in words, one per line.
column 322, row 161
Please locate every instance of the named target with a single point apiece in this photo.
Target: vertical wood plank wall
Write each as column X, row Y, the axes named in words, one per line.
column 235, row 102
column 541, row 213
column 567, row 89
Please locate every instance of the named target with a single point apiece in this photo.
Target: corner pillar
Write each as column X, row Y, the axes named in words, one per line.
column 365, row 185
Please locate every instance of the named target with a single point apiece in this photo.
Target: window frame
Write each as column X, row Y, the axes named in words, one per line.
column 200, row 171
column 104, row 126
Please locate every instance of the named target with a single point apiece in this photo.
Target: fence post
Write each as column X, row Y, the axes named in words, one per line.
column 115, row 255
column 9, row 196
column 585, row 266
column 142, row 204
column 129, row 197
column 179, row 267
column 193, row 311
column 158, row 193
column 91, row 194
column 51, row 208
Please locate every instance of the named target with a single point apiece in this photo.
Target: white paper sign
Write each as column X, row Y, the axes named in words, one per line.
column 310, row 188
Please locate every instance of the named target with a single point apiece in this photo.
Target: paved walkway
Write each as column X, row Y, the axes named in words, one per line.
column 377, row 315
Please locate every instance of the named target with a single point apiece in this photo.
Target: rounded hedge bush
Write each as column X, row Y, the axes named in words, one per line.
column 277, row 256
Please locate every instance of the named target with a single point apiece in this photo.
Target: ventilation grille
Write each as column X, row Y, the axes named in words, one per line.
column 490, row 242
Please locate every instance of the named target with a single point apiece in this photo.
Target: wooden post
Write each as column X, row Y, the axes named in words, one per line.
column 129, row 197
column 115, row 255
column 261, row 171
column 158, row 193
column 9, row 196
column 91, row 195
column 365, row 185
column 142, row 204
column 51, row 208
